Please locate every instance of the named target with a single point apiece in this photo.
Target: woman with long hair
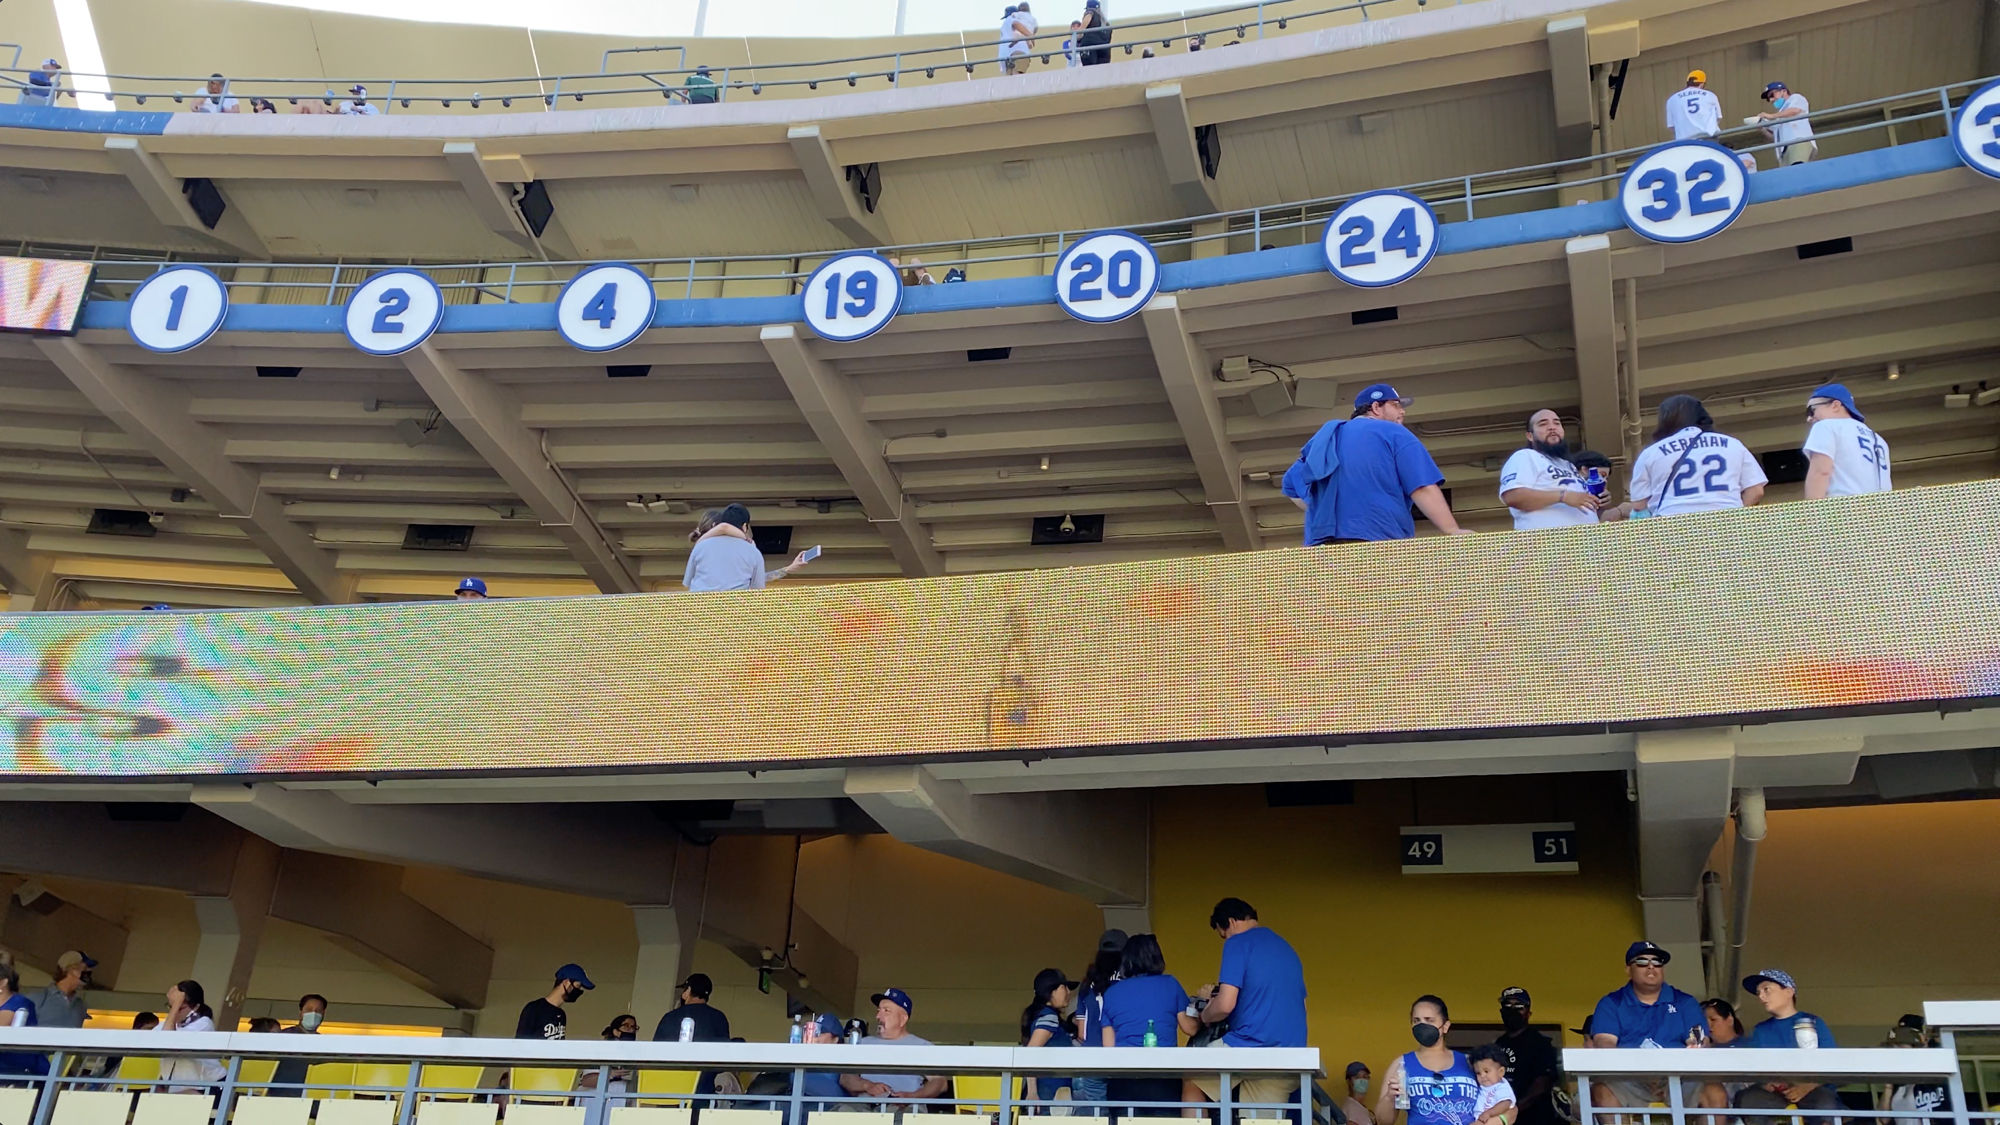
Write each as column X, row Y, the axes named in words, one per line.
column 1146, row 1003
column 1691, row 468
column 1042, row 1025
column 188, row 1010
column 1089, row 1014
column 1433, row 1084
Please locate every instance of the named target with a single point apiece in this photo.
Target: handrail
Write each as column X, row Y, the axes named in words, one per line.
column 392, row 93
column 1461, row 193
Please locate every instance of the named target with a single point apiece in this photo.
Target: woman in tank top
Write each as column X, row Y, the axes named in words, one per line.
column 1433, row 1084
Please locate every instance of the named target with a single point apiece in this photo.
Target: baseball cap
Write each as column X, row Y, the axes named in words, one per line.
column 1515, row 998
column 1585, row 1029
column 52, row 62
column 476, row 585
column 896, row 996
column 574, row 971
column 1048, row 980
column 358, row 89
column 1773, row 88
column 1355, row 1068
column 1112, row 941
column 155, row 606
column 826, row 1023
column 1839, row 393
column 699, row 984
column 1646, row 949
column 701, row 68
column 1378, row 392
column 1697, row 75
column 1778, row 977
column 71, row 958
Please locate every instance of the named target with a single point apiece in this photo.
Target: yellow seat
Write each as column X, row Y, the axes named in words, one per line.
column 173, row 1109
column 268, row 1111
column 658, row 1082
column 321, row 1075
column 92, row 1107
column 385, row 1080
column 980, row 1093
column 138, row 1072
column 526, row 1080
column 256, row 1074
column 447, row 1082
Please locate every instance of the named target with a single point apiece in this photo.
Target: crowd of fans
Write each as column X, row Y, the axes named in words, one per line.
column 1127, row 998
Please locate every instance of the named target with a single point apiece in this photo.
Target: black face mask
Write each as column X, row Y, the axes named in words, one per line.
column 1427, row 1035
column 628, row 1036
column 572, row 995
column 1514, row 1018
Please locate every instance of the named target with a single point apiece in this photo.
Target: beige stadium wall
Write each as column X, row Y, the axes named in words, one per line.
column 32, row 25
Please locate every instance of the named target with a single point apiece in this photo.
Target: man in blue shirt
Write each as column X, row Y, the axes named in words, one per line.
column 1778, row 992
column 825, row 1028
column 1357, row 479
column 1261, row 992
column 1647, row 1012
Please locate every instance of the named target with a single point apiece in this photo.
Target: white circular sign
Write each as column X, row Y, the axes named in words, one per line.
column 1107, row 276
column 853, row 296
column 393, row 312
column 176, row 309
column 605, row 307
column 1684, row 191
column 1975, row 130
column 1380, row 238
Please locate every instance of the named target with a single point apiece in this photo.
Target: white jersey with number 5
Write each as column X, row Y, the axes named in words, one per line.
column 1693, row 113
column 1860, row 456
column 1693, row 471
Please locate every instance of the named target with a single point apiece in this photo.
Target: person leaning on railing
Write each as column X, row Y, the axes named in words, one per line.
column 1787, row 1027
column 1043, row 1025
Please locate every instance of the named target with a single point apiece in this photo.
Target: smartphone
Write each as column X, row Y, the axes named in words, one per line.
column 809, row 554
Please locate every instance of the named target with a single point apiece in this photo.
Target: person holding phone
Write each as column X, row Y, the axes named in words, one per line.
column 725, row 555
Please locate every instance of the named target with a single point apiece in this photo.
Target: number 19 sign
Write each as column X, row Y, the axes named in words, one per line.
column 1683, row 192
column 1107, row 277
column 853, row 296
column 1380, row 238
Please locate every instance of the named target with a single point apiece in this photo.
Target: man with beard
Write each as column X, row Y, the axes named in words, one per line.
column 1542, row 487
column 1530, row 1059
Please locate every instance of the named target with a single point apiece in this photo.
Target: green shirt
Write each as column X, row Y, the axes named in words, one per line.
column 702, row 88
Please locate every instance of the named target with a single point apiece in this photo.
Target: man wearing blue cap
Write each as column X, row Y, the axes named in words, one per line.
column 1356, row 479
column 543, row 1017
column 825, row 1030
column 1789, row 125
column 1787, row 1027
column 470, row 589
column 893, row 1007
column 1844, row 457
column 1647, row 1012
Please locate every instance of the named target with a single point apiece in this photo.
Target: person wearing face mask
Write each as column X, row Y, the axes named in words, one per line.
column 1788, row 125
column 1351, row 1106
column 61, row 1003
column 1432, row 1085
column 290, row 1077
column 1530, row 1059
column 543, row 1017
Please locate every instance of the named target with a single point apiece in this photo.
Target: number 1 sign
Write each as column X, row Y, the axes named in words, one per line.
column 853, row 296
column 177, row 309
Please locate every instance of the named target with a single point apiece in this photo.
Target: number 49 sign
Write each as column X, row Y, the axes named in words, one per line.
column 1683, row 192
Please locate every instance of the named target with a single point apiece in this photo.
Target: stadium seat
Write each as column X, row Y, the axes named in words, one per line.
column 385, row 1080
column 138, row 1073
column 92, row 1107
column 173, row 1109
column 17, row 1107
column 457, row 1113
column 256, row 1073
column 439, row 1081
column 320, row 1075
column 542, row 1080
column 266, row 1111
column 349, row 1111
column 980, row 1093
column 667, row 1082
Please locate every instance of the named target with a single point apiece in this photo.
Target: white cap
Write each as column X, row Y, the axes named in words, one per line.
column 52, row 62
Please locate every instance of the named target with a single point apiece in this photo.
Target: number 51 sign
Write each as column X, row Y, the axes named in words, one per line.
column 1483, row 849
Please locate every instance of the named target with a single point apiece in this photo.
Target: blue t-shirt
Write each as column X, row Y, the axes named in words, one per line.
column 1446, row 1097
column 1130, row 1003
column 1270, row 990
column 22, row 1062
column 1051, row 1021
column 1778, row 1031
column 1367, row 496
column 1091, row 1006
column 1663, row 1023
column 823, row 1084
column 724, row 563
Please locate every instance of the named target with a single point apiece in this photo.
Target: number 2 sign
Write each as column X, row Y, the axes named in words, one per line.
column 393, row 312
column 1683, row 192
column 853, row 296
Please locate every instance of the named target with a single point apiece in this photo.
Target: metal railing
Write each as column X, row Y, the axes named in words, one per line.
column 1232, row 23
column 1455, row 198
column 597, row 1076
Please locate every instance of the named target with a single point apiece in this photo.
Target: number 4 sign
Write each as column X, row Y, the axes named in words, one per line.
column 605, row 307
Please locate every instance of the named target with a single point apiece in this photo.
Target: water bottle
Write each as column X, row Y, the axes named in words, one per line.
column 798, row 1033
column 687, row 1029
column 1152, row 1038
column 1595, row 482
column 1804, row 1033
column 1402, row 1087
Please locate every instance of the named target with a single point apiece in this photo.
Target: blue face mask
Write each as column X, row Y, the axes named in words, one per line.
column 1778, row 103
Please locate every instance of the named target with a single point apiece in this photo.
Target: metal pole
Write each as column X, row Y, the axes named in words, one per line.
column 228, row 1094
column 1006, row 1098
column 389, row 102
column 46, row 1107
column 1260, row 19
column 1955, row 1084
column 1468, row 199
column 408, row 1110
column 795, row 1110
column 1223, row 1097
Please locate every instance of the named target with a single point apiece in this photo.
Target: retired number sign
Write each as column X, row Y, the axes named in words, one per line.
column 1975, row 130
column 1380, row 238
column 1107, row 276
column 393, row 312
column 177, row 308
column 1683, row 192
column 853, row 296
column 605, row 307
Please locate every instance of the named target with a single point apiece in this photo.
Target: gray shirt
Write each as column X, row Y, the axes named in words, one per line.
column 900, row 1083
column 724, row 563
column 54, row 1009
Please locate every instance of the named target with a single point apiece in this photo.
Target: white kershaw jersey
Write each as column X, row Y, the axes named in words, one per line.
column 1693, row 471
column 1693, row 113
column 1529, row 468
column 1860, row 456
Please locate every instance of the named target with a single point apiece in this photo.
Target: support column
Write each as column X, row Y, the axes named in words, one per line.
column 1595, row 330
column 232, row 926
column 666, row 955
column 1211, row 246
column 1685, row 781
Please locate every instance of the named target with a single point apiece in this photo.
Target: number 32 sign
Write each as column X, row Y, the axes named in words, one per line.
column 1683, row 192
column 853, row 296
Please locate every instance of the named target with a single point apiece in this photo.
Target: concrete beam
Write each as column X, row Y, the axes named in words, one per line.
column 156, row 414
column 1173, row 131
column 39, row 927
column 1184, row 372
column 1569, row 81
column 1686, row 782
column 490, row 418
column 361, row 907
column 490, row 200
column 826, row 179
column 833, row 411
column 18, row 570
column 194, row 855
column 1595, row 328
column 164, row 198
column 232, row 928
column 1090, row 844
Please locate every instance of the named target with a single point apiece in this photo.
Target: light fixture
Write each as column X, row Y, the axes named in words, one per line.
column 637, row 503
column 1986, row 397
column 475, row 99
column 656, row 504
column 1045, row 462
column 1068, row 525
column 1895, row 372
column 1957, row 400
column 333, row 473
column 1274, row 397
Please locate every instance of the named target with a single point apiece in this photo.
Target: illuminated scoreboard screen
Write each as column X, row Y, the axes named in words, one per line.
column 38, row 295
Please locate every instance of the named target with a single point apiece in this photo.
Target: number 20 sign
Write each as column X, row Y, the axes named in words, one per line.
column 1107, row 277
column 1683, row 192
column 1380, row 238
